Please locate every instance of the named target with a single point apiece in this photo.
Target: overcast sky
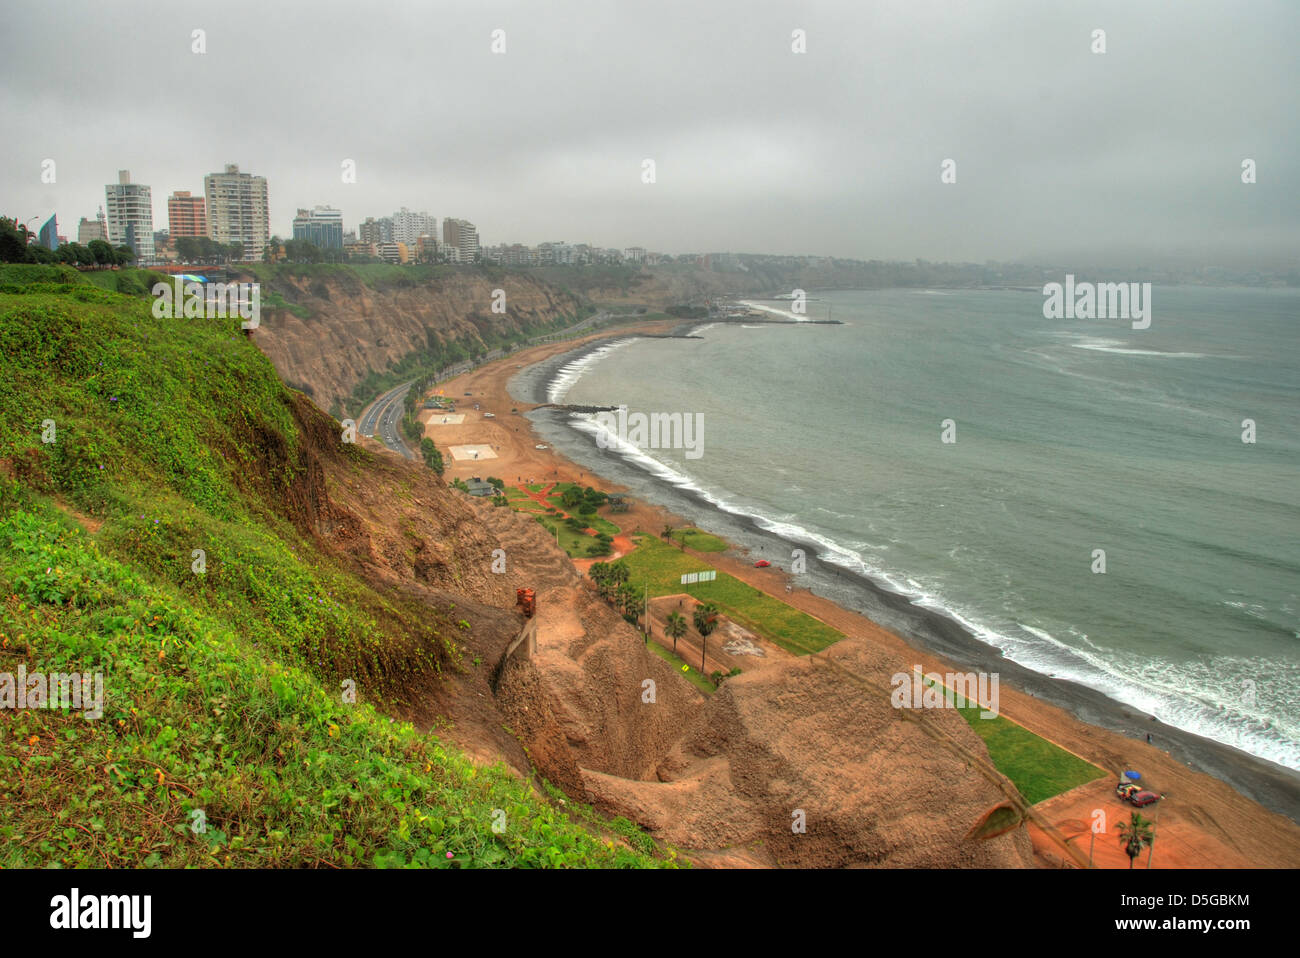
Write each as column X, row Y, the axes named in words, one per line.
column 1060, row 152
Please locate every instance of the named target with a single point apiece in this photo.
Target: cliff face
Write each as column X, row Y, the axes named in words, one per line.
column 339, row 328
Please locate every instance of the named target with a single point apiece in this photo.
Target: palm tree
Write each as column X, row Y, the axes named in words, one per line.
column 599, row 573
column 667, row 533
column 706, row 618
column 619, row 572
column 627, row 597
column 676, row 627
column 1135, row 835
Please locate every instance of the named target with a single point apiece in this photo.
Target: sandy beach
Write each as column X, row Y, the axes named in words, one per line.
column 1204, row 822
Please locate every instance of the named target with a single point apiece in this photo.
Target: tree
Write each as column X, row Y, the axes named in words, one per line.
column 188, row 249
column 599, row 573
column 123, row 255
column 706, row 618
column 667, row 533
column 101, row 252
column 627, row 597
column 1135, row 835
column 676, row 627
column 432, row 457
column 13, row 241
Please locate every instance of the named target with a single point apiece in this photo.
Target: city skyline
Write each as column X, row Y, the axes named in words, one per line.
column 835, row 151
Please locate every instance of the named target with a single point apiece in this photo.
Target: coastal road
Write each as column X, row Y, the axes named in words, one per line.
column 382, row 418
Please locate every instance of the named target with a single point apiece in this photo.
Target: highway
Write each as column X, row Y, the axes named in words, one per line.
column 382, row 419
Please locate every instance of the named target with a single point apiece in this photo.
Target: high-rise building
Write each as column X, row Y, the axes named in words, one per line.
column 321, row 226
column 376, row 230
column 96, row 229
column 408, row 226
column 462, row 235
column 49, row 236
column 186, row 215
column 130, row 216
column 238, row 210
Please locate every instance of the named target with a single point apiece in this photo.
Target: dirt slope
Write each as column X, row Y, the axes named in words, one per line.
column 355, row 328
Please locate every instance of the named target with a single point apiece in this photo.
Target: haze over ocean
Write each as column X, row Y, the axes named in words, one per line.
column 1071, row 436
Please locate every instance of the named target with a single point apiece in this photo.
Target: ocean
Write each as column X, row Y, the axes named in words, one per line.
column 1070, row 436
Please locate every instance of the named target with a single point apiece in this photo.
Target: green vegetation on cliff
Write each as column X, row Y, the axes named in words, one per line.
column 227, row 737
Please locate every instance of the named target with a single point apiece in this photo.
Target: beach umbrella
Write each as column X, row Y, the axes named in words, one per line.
column 1133, row 775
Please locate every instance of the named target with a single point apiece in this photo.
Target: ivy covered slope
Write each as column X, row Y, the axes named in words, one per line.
column 225, row 739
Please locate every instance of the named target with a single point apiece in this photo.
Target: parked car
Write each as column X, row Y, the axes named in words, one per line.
column 761, row 564
column 1138, row 797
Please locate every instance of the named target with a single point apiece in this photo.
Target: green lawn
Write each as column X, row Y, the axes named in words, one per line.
column 694, row 675
column 662, row 566
column 1038, row 768
column 699, row 541
column 573, row 543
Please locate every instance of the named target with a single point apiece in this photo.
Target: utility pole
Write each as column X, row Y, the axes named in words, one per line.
column 1151, row 848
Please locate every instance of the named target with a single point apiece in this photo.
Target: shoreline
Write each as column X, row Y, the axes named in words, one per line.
column 1064, row 712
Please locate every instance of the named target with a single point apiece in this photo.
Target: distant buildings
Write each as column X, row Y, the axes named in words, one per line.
column 463, row 236
column 130, row 216
column 321, row 226
column 634, row 254
column 96, row 229
column 393, row 252
column 186, row 215
column 376, row 230
column 237, row 210
column 408, row 226
column 49, row 235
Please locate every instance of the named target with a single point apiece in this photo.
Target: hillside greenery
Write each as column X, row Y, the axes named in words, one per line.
column 227, row 737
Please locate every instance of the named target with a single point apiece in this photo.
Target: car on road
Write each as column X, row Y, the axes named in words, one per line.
column 761, row 564
column 540, row 445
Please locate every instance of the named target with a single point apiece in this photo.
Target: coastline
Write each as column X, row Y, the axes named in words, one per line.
column 1078, row 718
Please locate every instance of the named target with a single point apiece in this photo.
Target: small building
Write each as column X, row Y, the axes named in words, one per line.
column 477, row 487
column 619, row 503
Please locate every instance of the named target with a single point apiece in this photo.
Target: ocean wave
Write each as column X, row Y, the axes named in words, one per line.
column 567, row 375
column 1188, row 695
column 1117, row 346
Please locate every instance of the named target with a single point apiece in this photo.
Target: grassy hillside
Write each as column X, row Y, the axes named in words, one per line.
column 226, row 738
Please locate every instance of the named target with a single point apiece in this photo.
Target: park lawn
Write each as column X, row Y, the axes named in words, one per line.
column 662, row 566
column 573, row 543
column 693, row 675
column 600, row 525
column 1037, row 767
column 513, row 492
column 699, row 541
